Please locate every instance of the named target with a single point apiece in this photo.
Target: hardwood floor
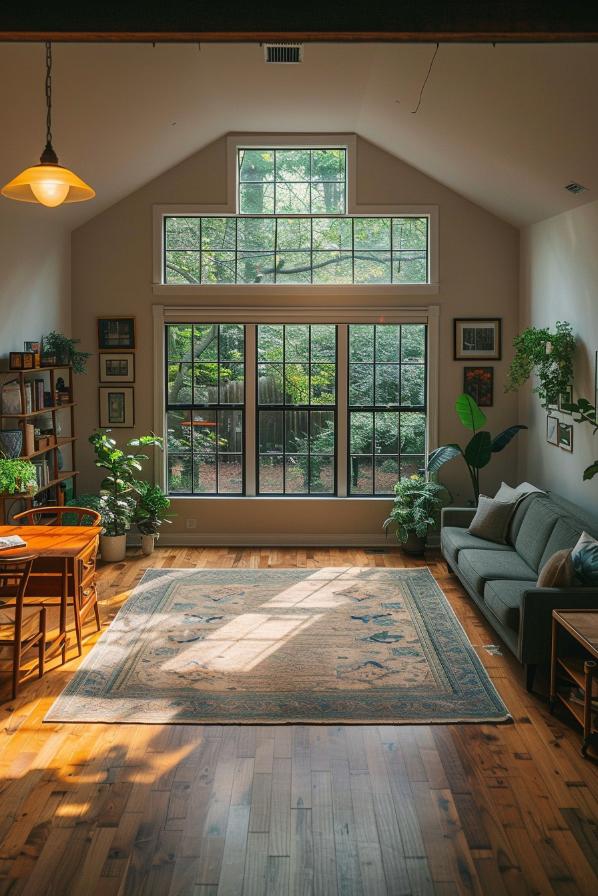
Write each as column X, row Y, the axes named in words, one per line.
column 209, row 811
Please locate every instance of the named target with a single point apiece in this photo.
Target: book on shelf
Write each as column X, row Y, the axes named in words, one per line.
column 39, row 394
column 42, row 472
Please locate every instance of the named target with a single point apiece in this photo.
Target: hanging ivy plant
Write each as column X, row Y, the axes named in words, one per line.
column 549, row 355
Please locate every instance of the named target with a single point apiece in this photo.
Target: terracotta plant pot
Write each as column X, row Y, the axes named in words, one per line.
column 113, row 548
column 414, row 545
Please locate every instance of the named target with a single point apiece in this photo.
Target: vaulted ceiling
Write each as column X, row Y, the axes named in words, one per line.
column 506, row 126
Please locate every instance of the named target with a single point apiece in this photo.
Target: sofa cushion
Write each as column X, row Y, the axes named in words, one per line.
column 565, row 535
column 492, row 519
column 535, row 531
column 481, row 566
column 517, row 519
column 454, row 539
column 504, row 598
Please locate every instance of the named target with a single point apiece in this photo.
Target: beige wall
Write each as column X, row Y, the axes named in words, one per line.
column 559, row 281
column 34, row 274
column 478, row 272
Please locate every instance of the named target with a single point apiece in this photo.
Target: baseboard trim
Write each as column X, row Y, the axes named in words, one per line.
column 266, row 539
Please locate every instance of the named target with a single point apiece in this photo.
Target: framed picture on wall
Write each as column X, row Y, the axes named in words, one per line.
column 566, row 398
column 117, row 367
column 477, row 338
column 117, row 333
column 479, row 383
column 117, row 407
column 552, row 430
column 566, row 436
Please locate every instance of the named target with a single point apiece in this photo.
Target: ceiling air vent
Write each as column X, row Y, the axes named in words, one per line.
column 283, row 53
column 574, row 187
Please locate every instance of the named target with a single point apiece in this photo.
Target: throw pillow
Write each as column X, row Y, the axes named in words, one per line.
column 492, row 519
column 506, row 493
column 585, row 559
column 557, row 572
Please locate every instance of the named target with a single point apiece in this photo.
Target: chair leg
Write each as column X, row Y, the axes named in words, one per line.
column 96, row 610
column 42, row 643
column 16, row 669
column 530, row 674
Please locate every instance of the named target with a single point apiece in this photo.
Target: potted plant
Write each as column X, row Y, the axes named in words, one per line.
column 548, row 354
column 478, row 452
column 415, row 510
column 151, row 511
column 63, row 350
column 17, row 477
column 118, row 488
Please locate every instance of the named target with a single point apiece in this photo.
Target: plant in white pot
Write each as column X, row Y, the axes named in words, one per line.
column 118, row 488
column 151, row 511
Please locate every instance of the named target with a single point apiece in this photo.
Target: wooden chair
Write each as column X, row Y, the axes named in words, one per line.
column 18, row 629
column 54, row 516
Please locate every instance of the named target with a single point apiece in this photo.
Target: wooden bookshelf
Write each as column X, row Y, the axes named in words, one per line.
column 574, row 668
column 50, row 452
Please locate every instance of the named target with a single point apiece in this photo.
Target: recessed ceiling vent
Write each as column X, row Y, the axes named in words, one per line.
column 283, row 53
column 574, row 187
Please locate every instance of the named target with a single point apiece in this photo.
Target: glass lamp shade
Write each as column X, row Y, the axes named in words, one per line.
column 48, row 184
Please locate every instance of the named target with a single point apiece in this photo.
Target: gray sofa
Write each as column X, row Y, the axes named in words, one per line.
column 502, row 579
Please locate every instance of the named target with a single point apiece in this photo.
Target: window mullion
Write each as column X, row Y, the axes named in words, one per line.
column 250, row 409
column 342, row 409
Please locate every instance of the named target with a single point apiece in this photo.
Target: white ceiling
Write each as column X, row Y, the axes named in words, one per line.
column 506, row 126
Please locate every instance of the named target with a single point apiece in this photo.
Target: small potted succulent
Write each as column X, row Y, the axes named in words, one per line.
column 415, row 510
column 151, row 511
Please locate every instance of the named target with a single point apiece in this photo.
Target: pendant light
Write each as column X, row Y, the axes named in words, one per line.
column 48, row 183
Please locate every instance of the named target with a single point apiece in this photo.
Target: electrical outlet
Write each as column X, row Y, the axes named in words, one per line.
column 191, row 524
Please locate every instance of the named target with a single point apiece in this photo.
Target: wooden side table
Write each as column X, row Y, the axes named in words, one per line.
column 574, row 657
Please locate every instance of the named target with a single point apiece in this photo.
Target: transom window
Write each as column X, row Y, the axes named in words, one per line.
column 295, row 250
column 296, row 181
column 299, row 440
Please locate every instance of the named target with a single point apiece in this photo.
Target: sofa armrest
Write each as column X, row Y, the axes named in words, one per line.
column 535, row 627
column 460, row 517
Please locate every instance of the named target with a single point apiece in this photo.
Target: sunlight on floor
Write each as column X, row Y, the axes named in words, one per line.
column 241, row 644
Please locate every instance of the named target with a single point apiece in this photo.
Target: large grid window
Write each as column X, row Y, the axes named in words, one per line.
column 296, row 408
column 205, row 397
column 313, row 249
column 387, row 405
column 292, row 181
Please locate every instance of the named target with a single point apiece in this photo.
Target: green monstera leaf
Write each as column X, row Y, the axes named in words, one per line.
column 469, row 413
column 591, row 471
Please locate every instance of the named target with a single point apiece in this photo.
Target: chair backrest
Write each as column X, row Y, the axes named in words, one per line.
column 59, row 516
column 14, row 575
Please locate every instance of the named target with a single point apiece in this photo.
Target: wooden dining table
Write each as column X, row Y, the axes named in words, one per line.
column 55, row 575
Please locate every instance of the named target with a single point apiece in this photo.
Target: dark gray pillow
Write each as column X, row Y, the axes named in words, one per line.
column 492, row 519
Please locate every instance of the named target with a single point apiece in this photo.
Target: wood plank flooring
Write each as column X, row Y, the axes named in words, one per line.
column 286, row 810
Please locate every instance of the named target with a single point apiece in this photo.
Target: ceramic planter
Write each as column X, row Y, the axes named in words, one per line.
column 113, row 548
column 11, row 443
column 148, row 543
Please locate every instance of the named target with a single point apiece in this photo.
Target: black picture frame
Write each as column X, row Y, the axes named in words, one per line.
column 116, row 333
column 566, row 436
column 481, row 391
column 479, row 323
column 552, row 430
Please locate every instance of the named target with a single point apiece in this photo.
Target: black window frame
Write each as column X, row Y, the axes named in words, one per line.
column 215, row 407
column 374, row 408
column 284, row 407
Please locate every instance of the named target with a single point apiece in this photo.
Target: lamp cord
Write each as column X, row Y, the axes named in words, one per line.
column 49, row 93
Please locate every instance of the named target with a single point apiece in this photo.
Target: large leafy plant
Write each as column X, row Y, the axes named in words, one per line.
column 415, row 509
column 549, row 355
column 120, row 485
column 478, row 452
column 66, row 351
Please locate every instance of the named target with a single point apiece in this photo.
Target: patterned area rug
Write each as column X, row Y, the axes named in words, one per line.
column 244, row 646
